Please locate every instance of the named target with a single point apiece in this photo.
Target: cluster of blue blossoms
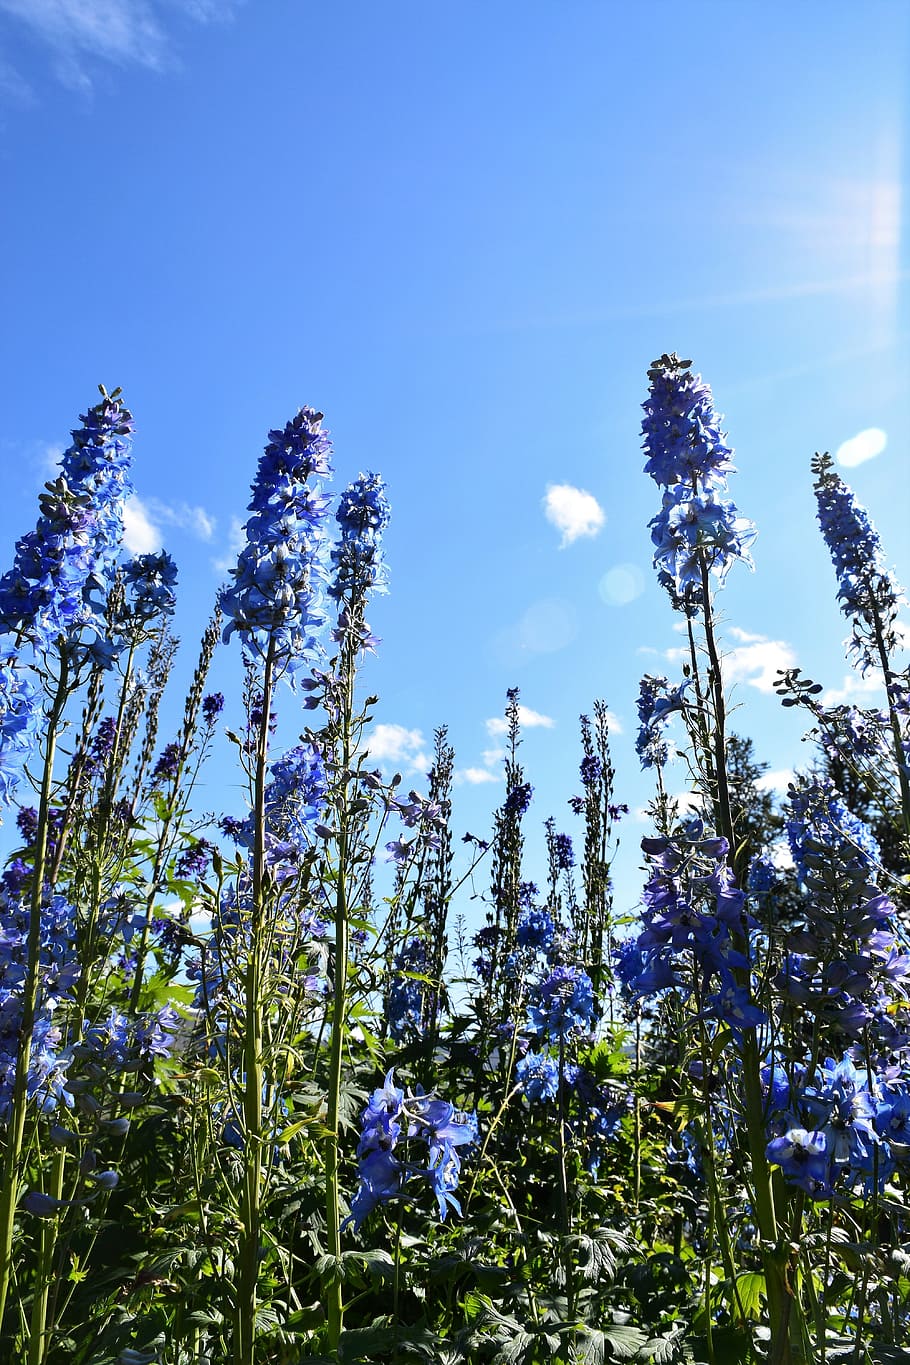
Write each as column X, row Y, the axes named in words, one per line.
column 845, row 1127
column 62, row 572
column 689, row 459
column 657, row 702
column 20, row 717
column 117, row 1044
column 294, row 802
column 696, row 927
column 58, row 974
column 55, row 594
column 866, row 590
column 393, row 1116
column 357, row 559
column 560, row 1015
column 405, row 1001
column 845, row 965
column 275, row 604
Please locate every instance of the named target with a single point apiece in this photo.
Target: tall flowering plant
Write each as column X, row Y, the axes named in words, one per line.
column 699, row 937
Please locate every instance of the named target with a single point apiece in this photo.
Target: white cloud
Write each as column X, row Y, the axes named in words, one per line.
column 862, row 447
column 143, row 518
column 196, row 520
column 757, row 663
column 775, row 780
column 855, row 688
column 50, row 460
column 476, row 776
column 236, row 541
column 614, row 723
column 126, row 32
column 398, row 745
column 140, row 535
column 572, row 511
column 491, row 756
column 528, row 719
column 744, row 636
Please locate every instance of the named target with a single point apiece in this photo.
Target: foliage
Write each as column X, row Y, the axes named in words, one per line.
column 265, row 1095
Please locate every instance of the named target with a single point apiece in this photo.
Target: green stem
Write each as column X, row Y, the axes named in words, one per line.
column 565, row 1216
column 250, row 1205
column 15, row 1133
column 334, row 1287
column 781, row 1304
column 41, row 1329
column 893, row 714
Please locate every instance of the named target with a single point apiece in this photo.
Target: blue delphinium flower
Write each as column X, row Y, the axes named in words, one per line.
column 681, row 431
column 404, row 1004
column 695, row 920
column 63, row 570
column 20, row 717
column 566, row 1005
column 818, row 817
column 518, row 799
column 536, row 929
column 391, row 1117
column 357, row 560
column 657, row 701
column 564, row 854
column 846, row 964
column 275, row 602
column 865, row 588
column 150, row 581
column 58, row 974
column 802, row 1156
column 295, row 797
column 538, row 1075
column 689, row 458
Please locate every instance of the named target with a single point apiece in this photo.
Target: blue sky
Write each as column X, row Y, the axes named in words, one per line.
column 463, row 231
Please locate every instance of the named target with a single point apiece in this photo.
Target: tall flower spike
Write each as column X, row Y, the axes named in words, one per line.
column 363, row 515
column 276, row 597
column 689, row 458
column 866, row 590
column 64, row 569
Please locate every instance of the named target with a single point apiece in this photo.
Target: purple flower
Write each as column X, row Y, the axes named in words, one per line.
column 275, row 601
column 63, row 570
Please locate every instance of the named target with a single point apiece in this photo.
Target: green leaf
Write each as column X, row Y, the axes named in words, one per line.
column 752, row 1292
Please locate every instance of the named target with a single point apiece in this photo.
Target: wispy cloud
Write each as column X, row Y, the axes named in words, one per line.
column 528, row 719
column 854, row 689
column 140, row 535
column 756, row 660
column 574, row 512
column 125, row 32
column 775, row 780
column 236, row 541
column 476, row 776
column 196, row 520
column 759, row 663
column 398, row 745
column 144, row 517
column 862, row 447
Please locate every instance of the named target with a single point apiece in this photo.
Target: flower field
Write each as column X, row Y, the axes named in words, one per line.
column 269, row 1093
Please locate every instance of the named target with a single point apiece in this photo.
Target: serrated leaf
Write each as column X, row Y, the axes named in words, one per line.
column 752, row 1291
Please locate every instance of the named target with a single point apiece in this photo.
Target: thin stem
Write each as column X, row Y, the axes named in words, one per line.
column 334, row 1287
column 250, row 1208
column 12, row 1157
